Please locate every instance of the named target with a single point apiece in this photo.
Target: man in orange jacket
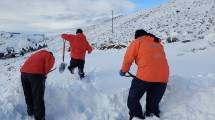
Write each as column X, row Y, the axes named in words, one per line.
column 33, row 76
column 78, row 47
column 152, row 74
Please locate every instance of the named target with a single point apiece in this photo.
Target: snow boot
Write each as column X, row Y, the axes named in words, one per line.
column 71, row 70
column 30, row 111
column 39, row 118
column 81, row 74
column 151, row 115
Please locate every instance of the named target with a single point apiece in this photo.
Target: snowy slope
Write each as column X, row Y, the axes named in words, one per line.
column 184, row 19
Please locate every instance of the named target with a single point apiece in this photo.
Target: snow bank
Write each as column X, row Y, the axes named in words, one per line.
column 189, row 99
column 69, row 98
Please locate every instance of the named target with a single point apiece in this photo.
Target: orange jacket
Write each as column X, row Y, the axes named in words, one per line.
column 39, row 63
column 150, row 59
column 78, row 45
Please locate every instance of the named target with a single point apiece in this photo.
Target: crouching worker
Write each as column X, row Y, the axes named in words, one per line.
column 78, row 47
column 151, row 77
column 33, row 76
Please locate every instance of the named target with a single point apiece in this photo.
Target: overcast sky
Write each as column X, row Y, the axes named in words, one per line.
column 51, row 15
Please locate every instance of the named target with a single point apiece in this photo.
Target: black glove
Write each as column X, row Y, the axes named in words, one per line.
column 45, row 77
column 121, row 73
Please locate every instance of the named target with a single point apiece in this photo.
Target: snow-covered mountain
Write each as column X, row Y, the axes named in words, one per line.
column 185, row 20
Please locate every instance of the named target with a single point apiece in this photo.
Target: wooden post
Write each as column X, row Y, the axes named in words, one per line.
column 112, row 22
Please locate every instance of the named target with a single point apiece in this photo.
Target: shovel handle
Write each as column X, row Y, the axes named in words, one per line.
column 52, row 70
column 64, row 41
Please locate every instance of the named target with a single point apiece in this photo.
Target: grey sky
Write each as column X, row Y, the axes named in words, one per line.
column 51, row 15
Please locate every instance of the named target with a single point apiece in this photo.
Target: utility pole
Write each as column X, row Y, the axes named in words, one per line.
column 112, row 22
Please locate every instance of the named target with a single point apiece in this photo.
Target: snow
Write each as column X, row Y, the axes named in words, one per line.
column 17, row 41
column 102, row 95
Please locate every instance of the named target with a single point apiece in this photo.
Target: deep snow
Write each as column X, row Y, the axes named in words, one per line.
column 103, row 93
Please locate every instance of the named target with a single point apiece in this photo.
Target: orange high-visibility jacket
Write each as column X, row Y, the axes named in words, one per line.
column 150, row 58
column 38, row 63
column 78, row 45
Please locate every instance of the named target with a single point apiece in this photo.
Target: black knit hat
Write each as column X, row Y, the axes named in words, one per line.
column 51, row 53
column 79, row 31
column 140, row 33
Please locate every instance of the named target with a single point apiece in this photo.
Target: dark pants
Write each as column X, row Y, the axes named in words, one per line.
column 154, row 94
column 77, row 63
column 34, row 88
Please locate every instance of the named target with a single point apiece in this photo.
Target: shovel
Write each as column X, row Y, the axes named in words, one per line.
column 63, row 64
column 130, row 75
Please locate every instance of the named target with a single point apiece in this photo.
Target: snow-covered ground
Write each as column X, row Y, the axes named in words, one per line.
column 103, row 93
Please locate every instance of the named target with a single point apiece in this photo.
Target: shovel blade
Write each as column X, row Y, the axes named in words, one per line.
column 62, row 67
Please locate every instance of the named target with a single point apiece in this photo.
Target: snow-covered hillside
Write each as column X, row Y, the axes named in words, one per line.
column 16, row 42
column 102, row 95
column 184, row 19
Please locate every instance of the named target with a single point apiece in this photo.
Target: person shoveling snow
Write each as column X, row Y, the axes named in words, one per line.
column 78, row 47
column 152, row 74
